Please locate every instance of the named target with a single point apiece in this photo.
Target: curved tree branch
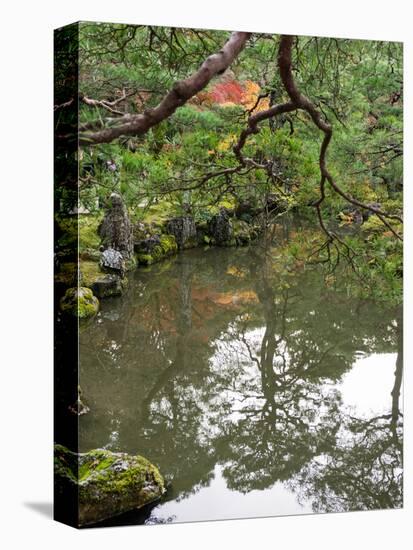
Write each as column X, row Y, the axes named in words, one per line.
column 182, row 90
column 300, row 101
column 252, row 127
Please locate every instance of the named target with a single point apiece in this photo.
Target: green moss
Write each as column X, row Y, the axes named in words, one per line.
column 90, row 255
column 88, row 232
column 143, row 230
column 232, row 242
column 78, row 232
column 167, row 247
column 95, row 461
column 374, row 225
column 109, row 483
column 66, row 231
column 156, row 214
column 168, row 244
column 102, row 284
column 130, row 264
column 145, row 259
column 79, row 302
column 89, row 272
column 228, row 203
column 86, row 310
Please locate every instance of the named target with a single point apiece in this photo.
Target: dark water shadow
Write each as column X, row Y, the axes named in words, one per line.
column 43, row 508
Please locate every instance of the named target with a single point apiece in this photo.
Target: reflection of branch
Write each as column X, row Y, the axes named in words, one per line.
column 245, row 342
column 398, row 374
column 165, row 376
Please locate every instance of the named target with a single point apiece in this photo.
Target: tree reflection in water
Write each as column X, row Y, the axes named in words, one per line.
column 363, row 469
column 218, row 358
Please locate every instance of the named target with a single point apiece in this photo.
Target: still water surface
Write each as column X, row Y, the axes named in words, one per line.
column 256, row 391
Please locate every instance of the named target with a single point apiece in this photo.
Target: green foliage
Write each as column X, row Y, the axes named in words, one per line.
column 177, row 167
column 380, row 265
column 88, row 232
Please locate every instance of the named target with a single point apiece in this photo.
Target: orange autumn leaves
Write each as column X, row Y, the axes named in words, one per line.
column 232, row 92
column 227, row 93
column 251, row 95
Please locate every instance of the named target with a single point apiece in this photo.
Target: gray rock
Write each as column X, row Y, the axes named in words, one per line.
column 220, row 228
column 147, row 245
column 108, row 284
column 112, row 259
column 183, row 229
column 116, row 229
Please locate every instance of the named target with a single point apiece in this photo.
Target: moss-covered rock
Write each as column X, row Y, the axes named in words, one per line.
column 168, row 245
column 89, row 271
column 143, row 230
column 116, row 230
column 220, row 228
column 79, row 302
column 108, row 483
column 76, row 235
column 109, row 284
column 165, row 246
column 145, row 259
column 183, row 228
column 102, row 284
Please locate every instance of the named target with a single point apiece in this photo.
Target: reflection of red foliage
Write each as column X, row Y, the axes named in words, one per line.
column 207, row 304
column 227, row 92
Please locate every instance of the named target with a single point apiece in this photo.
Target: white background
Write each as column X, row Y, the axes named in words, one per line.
column 26, row 269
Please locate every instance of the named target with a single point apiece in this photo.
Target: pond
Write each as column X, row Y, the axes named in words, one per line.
column 256, row 391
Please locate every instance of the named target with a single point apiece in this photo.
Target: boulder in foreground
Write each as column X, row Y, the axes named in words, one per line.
column 79, row 302
column 108, row 483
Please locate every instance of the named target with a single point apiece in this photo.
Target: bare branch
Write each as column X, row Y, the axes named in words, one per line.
column 100, row 103
column 63, row 105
